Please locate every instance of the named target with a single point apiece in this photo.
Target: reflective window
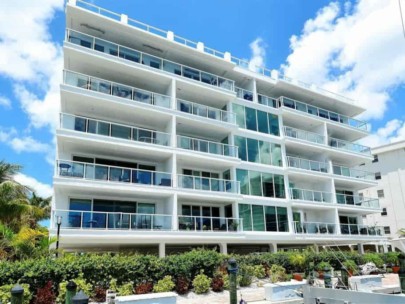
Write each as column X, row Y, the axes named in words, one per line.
column 258, row 151
column 240, row 142
column 240, row 115
column 261, row 184
column 253, row 150
column 263, row 218
column 243, row 177
column 251, row 123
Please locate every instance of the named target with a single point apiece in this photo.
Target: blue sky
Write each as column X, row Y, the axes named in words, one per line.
column 355, row 48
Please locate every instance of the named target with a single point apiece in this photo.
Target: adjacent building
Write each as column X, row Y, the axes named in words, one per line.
column 165, row 144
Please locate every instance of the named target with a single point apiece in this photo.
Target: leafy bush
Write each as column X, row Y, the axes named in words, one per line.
column 217, row 283
column 297, row 261
column 81, row 285
column 246, row 273
column 277, row 274
column 5, row 295
column 164, row 285
column 391, row 258
column 45, row 295
column 374, row 258
column 322, row 265
column 99, row 294
column 259, row 271
column 201, row 283
column 126, row 289
column 182, row 284
column 350, row 265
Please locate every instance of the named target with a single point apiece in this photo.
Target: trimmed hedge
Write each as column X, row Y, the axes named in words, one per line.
column 99, row 269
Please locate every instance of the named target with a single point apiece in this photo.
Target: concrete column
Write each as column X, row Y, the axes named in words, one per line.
column 170, row 35
column 316, row 248
column 290, row 220
column 227, row 56
column 175, row 220
column 360, row 248
column 162, row 250
column 124, row 18
column 376, row 248
column 254, row 89
column 223, row 248
column 273, row 247
column 200, row 46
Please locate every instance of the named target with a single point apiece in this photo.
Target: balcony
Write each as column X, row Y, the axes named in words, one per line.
column 353, row 173
column 205, row 146
column 207, row 184
column 244, row 94
column 115, row 89
column 72, row 219
column 209, row 224
column 358, row 201
column 104, row 128
column 314, row 228
column 90, row 171
column 311, row 195
column 267, row 101
column 335, row 117
column 354, row 229
column 205, row 111
column 304, row 135
column 306, row 164
column 125, row 53
column 349, row 146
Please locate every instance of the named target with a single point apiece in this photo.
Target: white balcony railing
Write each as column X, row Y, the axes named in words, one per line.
column 207, row 184
column 314, row 228
column 304, row 135
column 205, row 111
column 349, row 146
column 307, row 164
column 358, row 201
column 267, row 101
column 311, row 195
column 244, row 94
column 105, row 128
column 210, row 224
column 310, row 109
column 115, row 89
column 206, row 146
column 353, row 173
column 363, row 230
column 72, row 219
column 91, row 171
column 136, row 56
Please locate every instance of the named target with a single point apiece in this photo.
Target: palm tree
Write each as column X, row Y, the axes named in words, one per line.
column 42, row 204
column 7, row 171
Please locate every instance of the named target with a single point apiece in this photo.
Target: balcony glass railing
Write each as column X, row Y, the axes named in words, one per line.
column 90, row 171
column 205, row 111
column 358, row 201
column 304, row 135
column 244, row 94
column 115, row 89
column 120, row 51
column 349, row 146
column 314, row 228
column 104, row 128
column 303, row 107
column 72, row 219
column 353, row 173
column 207, row 184
column 354, row 229
column 311, row 195
column 267, row 101
column 211, row 224
column 306, row 164
column 205, row 146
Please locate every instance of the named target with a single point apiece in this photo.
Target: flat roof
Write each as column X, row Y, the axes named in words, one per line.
column 388, row 147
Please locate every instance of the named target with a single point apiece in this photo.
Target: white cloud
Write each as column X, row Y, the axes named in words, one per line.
column 258, row 54
column 41, row 189
column 393, row 131
column 358, row 51
column 5, row 102
column 28, row 144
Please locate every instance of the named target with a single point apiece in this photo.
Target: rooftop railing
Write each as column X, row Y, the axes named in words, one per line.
column 349, row 146
column 358, row 201
column 105, row 128
column 210, row 224
column 91, row 171
column 205, row 111
column 311, row 195
column 72, row 219
column 123, row 52
column 207, row 184
column 115, row 89
column 339, row 118
column 307, row 164
column 244, row 94
column 314, row 228
column 354, row 229
column 239, row 62
column 353, row 173
column 267, row 101
column 211, row 147
column 304, row 135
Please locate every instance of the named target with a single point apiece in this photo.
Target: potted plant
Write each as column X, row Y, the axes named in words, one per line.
column 350, row 266
column 297, row 261
column 321, row 267
column 233, row 226
column 391, row 259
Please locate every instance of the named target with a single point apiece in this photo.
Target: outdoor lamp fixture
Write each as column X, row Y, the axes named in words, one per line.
column 58, row 222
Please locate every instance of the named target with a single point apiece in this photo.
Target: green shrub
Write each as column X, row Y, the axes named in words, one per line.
column 297, row 261
column 391, row 258
column 350, row 265
column 164, row 285
column 81, row 285
column 374, row 258
column 5, row 295
column 246, row 273
column 259, row 271
column 225, row 278
column 126, row 289
column 277, row 274
column 201, row 283
column 322, row 265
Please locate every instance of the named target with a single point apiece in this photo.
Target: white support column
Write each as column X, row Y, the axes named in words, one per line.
column 200, row 47
column 227, row 56
column 316, row 248
column 173, row 94
column 162, row 250
column 273, row 247
column 170, row 35
column 290, row 220
column 124, row 19
column 376, row 248
column 337, row 222
column 223, row 247
column 360, row 248
column 254, row 89
column 175, row 220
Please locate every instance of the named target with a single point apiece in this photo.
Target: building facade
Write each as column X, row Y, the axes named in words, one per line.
column 389, row 166
column 165, row 144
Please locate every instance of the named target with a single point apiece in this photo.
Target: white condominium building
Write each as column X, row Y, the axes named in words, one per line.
column 389, row 167
column 165, row 144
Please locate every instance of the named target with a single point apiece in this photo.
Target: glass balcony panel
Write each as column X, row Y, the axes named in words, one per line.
column 191, row 73
column 100, row 86
column 323, row 113
column 80, row 39
column 119, row 131
column 98, row 127
column 77, row 80
column 122, row 91
column 146, row 136
column 106, row 47
column 215, row 148
column 301, row 106
column 209, row 78
column 89, row 171
column 305, row 164
column 172, row 67
column 129, row 54
column 100, row 172
column 318, row 196
column 162, row 179
column 184, row 106
column 288, row 103
column 200, row 110
column 142, row 96
column 334, row 116
column 162, row 101
column 337, row 170
column 225, row 84
column 312, row 110
column 152, row 61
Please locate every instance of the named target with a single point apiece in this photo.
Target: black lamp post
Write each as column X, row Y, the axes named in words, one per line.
column 58, row 222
